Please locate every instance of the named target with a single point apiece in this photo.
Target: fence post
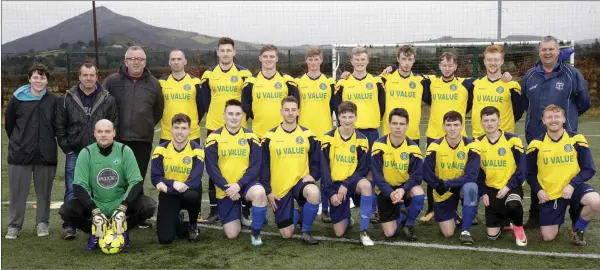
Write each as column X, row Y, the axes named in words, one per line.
column 289, row 61
column 475, row 64
column 68, row 71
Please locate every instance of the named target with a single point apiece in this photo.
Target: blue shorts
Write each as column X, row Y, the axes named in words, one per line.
column 284, row 215
column 446, row 210
column 232, row 210
column 371, row 133
column 342, row 211
column 553, row 212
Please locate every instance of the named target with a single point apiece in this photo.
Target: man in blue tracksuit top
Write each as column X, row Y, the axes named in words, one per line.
column 551, row 82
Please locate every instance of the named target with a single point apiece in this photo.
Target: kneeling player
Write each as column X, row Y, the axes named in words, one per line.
column 397, row 165
column 559, row 163
column 451, row 166
column 289, row 169
column 344, row 168
column 107, row 181
column 177, row 168
column 233, row 159
column 501, row 176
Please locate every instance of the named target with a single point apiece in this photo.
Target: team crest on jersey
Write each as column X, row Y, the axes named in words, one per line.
column 501, row 151
column 352, row 148
column 187, row 160
column 323, row 86
column 369, row 86
column 277, row 85
column 187, row 87
column 108, row 178
column 500, row 90
column 453, row 87
column 116, row 161
column 568, row 148
column 412, row 85
column 560, row 85
column 404, row 156
column 461, row 155
column 299, row 140
column 234, row 79
column 242, row 142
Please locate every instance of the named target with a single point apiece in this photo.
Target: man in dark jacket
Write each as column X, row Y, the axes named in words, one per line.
column 31, row 149
column 551, row 82
column 76, row 114
column 140, row 102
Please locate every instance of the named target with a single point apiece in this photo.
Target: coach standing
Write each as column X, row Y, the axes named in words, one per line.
column 551, row 82
column 140, row 102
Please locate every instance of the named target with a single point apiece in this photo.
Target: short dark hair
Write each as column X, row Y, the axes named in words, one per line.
column 87, row 65
column 489, row 110
column 290, row 99
column 398, row 112
column 181, row 118
column 406, row 50
column 449, row 56
column 267, row 48
column 452, row 116
column 40, row 69
column 233, row 102
column 226, row 40
column 347, row 106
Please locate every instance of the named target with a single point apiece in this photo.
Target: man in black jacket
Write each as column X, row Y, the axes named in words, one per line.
column 31, row 149
column 140, row 102
column 76, row 114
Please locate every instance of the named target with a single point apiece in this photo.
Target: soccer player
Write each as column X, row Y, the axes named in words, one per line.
column 177, row 167
column 490, row 90
column 235, row 147
column 367, row 92
column 559, row 164
column 501, row 176
column 107, row 183
column 263, row 92
column 220, row 84
column 451, row 166
column 398, row 171
column 289, row 169
column 344, row 167
column 181, row 93
column 316, row 92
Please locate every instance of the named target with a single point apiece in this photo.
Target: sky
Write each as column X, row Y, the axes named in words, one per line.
column 326, row 22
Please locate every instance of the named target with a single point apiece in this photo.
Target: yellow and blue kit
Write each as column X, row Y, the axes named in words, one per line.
column 505, row 96
column 445, row 96
column 185, row 166
column 503, row 162
column 395, row 167
column 181, row 96
column 316, row 97
column 219, row 86
column 369, row 96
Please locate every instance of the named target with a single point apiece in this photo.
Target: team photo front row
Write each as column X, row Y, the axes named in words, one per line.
column 285, row 165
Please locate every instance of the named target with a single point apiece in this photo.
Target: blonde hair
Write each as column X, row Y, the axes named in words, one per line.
column 494, row 49
column 553, row 108
column 313, row 51
column 359, row 51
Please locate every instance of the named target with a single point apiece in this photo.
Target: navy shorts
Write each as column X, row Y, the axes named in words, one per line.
column 553, row 212
column 231, row 210
column 446, row 210
column 372, row 135
column 284, row 216
column 342, row 211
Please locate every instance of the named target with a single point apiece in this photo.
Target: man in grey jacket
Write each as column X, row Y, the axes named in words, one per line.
column 75, row 117
column 140, row 102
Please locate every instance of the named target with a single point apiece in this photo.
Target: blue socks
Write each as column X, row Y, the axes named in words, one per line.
column 469, row 205
column 415, row 207
column 365, row 211
column 374, row 203
column 296, row 218
column 309, row 213
column 259, row 214
column 581, row 224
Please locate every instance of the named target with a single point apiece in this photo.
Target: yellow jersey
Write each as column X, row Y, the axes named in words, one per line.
column 180, row 96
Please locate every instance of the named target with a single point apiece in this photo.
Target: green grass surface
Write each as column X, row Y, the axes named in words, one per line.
column 216, row 251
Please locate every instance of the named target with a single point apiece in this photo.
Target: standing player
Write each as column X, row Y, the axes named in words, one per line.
column 263, row 92
column 559, row 163
column 289, row 169
column 230, row 147
column 501, row 176
column 181, row 93
column 220, row 84
column 177, row 167
column 398, row 172
column 316, row 92
column 367, row 92
column 452, row 166
column 344, row 166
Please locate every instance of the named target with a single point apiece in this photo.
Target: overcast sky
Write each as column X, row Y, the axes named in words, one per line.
column 296, row 23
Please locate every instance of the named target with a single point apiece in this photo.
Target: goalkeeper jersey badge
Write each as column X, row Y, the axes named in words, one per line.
column 107, row 178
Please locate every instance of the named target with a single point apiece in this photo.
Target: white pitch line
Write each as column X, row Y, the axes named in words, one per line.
column 435, row 246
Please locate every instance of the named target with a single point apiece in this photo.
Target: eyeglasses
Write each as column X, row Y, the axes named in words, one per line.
column 136, row 59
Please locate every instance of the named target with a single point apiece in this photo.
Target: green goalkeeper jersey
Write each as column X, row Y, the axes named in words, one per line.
column 108, row 179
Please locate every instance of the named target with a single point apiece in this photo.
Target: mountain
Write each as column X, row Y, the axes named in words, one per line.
column 114, row 28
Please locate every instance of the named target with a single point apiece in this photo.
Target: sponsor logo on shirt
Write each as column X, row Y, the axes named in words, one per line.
column 108, row 178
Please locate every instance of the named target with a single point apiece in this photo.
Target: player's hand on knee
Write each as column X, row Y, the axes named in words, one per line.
column 162, row 187
column 342, row 191
column 568, row 192
column 232, row 190
column 485, row 199
column 178, row 186
column 506, row 77
column 119, row 219
column 99, row 221
column 272, row 201
column 345, row 75
column 543, row 196
column 335, row 201
column 502, row 192
column 387, row 70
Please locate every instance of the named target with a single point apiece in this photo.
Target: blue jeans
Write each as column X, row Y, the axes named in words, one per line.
column 70, row 160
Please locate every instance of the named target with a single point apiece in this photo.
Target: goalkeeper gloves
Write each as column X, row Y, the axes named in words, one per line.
column 119, row 221
column 100, row 223
column 440, row 188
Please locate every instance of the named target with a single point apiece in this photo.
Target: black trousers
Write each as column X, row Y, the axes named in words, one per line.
column 534, row 209
column 142, row 152
column 74, row 214
column 169, row 206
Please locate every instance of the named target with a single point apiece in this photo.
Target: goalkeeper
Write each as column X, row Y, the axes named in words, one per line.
column 107, row 189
